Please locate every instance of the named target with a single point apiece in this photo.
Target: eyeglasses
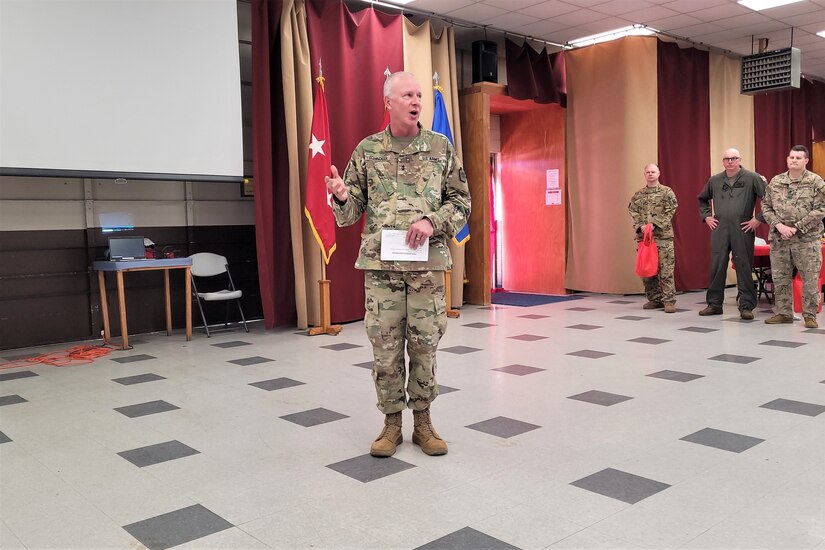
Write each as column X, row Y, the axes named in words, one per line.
column 730, row 159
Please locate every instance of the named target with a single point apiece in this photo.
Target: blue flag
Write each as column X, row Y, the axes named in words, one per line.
column 441, row 124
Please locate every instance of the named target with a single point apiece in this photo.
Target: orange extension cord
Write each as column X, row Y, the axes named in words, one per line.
column 76, row 355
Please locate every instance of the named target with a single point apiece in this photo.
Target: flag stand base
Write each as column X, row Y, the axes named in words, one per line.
column 325, row 328
column 452, row 313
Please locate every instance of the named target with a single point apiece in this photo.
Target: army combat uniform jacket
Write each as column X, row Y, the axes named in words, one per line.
column 398, row 187
column 799, row 204
column 655, row 205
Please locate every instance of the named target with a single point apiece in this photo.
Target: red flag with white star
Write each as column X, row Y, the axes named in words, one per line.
column 318, row 208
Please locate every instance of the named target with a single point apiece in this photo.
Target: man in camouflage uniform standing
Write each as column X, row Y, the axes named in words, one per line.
column 794, row 205
column 656, row 203
column 410, row 179
column 732, row 224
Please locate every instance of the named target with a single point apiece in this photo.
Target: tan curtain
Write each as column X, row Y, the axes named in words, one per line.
column 612, row 133
column 298, row 109
column 731, row 114
column 425, row 53
column 731, row 119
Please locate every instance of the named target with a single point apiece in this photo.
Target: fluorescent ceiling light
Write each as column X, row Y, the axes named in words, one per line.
column 759, row 5
column 395, row 3
column 632, row 30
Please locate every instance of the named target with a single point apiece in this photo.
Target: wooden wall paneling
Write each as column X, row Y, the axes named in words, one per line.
column 534, row 246
column 49, row 294
column 474, row 107
column 818, row 158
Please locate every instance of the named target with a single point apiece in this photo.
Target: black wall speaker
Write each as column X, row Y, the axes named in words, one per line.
column 485, row 61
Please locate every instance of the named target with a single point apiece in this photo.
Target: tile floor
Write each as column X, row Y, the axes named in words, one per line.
column 586, row 424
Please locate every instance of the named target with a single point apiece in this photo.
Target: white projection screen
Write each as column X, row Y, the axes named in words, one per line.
column 120, row 88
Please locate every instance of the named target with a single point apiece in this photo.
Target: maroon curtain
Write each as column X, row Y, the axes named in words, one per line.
column 780, row 121
column 355, row 49
column 535, row 75
column 270, row 171
column 684, row 153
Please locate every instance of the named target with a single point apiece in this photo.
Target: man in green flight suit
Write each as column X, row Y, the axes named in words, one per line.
column 409, row 182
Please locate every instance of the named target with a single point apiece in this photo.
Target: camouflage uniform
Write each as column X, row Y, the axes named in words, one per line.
column 657, row 205
column 733, row 203
column 801, row 204
column 405, row 303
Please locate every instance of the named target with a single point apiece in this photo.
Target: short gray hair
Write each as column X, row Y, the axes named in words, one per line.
column 392, row 78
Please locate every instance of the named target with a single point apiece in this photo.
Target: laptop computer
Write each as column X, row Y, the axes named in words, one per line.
column 126, row 248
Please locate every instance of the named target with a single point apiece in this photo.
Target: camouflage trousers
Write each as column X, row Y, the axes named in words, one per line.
column 807, row 258
column 404, row 308
column 661, row 287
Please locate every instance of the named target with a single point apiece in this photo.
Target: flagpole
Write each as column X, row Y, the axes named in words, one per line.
column 326, row 327
column 448, row 279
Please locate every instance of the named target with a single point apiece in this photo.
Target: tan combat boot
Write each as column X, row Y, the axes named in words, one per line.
column 425, row 436
column 670, row 307
column 389, row 438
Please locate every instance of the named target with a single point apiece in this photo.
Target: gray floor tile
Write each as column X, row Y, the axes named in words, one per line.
column 160, row 452
column 600, row 398
column 461, row 350
column 701, row 330
column 782, row 344
column 814, row 331
column 479, row 325
column 4, row 438
column 585, row 327
column 620, row 485
column 648, row 340
column 232, row 344
column 621, row 302
column 133, row 358
column 17, row 375
column 178, row 527
column 366, row 468
column 467, row 539
column 138, row 379
column 580, row 308
column 796, row 407
column 528, row 337
column 675, row 375
column 20, row 356
column 503, row 427
column 519, row 370
column 342, row 346
column 246, row 361
column 442, row 389
column 589, row 354
column 276, row 384
column 365, row 365
column 144, row 409
column 314, row 417
column 632, row 318
column 533, row 316
column 11, row 400
column 731, row 358
column 719, row 439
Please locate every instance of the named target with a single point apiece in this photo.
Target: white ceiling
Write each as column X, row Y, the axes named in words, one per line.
column 723, row 24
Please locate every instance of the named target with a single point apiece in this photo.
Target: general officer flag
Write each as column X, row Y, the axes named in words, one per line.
column 318, row 208
column 441, row 124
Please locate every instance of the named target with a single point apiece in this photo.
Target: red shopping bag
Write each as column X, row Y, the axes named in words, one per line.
column 647, row 255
